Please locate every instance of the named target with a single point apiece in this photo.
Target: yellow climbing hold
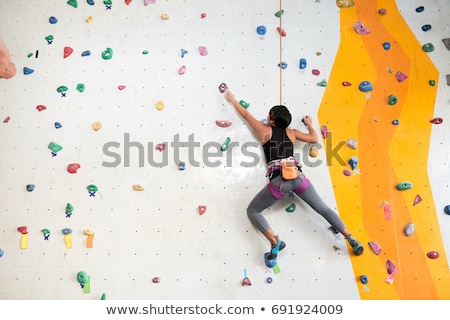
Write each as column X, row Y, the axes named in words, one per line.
column 313, row 152
column 138, row 187
column 160, row 105
column 165, row 16
column 89, row 19
column 97, row 125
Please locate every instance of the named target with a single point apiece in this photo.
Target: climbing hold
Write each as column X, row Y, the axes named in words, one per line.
column 97, row 125
column 58, row 125
column 409, row 229
column 160, row 105
column 223, row 87
column 138, row 187
column 395, row 122
column 107, row 54
column 1, row 253
column 244, row 104
column 365, row 86
column 386, row 45
column 52, row 20
column 27, row 71
column 182, row 70
column 437, row 120
column 324, row 131
column 54, row 147
column 80, row 87
column 302, row 63
column 66, row 231
column 360, row 28
column 82, row 277
column 417, row 200
column 73, row 167
column 281, row 32
column 108, row 3
column 246, row 282
column 426, row 27
column 69, row 208
column 103, row 297
column 291, row 208
column 375, row 247
column 347, row 173
column 269, row 279
column 22, row 229
column 392, row 100
column 400, row 76
column 446, row 43
column 160, row 147
column 420, row 9
column 145, row 52
column 73, row 3
column 86, row 53
column 382, row 11
column 203, row 50
column 261, row 30
column 352, row 143
column 223, row 123
column 164, row 16
column 428, row 47
column 447, row 209
column 49, row 39
column 92, row 188
column 156, row 280
column 364, row 279
column 225, row 144
column 121, row 87
column 30, row 187
column 322, row 83
column 203, row 15
column 67, row 51
column 433, row 254
column 89, row 19
column 62, row 89
column 181, row 166
column 432, row 83
column 279, row 13
column 90, row 238
column 313, row 152
column 127, row 2
column 404, row 185
column 315, row 72
column 46, row 232
column 183, row 52
column 283, row 65
column 346, row 84
column 90, row 2
column 353, row 162
column 6, row 120
column 201, row 210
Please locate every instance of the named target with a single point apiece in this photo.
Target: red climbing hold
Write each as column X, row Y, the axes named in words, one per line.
column 201, row 209
column 41, row 107
column 121, row 87
column 203, row 15
column 127, row 2
column 67, row 51
column 437, row 120
column 22, row 229
column 282, row 32
column 73, row 167
column 433, row 254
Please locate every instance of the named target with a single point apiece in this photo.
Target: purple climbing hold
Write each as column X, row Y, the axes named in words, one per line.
column 360, row 28
column 223, row 87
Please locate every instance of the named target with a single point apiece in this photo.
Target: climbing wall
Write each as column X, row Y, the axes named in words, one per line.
column 113, row 180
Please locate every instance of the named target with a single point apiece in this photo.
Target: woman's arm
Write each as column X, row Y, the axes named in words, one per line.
column 311, row 136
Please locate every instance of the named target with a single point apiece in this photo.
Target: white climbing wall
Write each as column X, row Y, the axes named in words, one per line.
column 158, row 232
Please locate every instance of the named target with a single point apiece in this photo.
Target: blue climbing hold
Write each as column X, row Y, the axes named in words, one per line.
column 365, row 86
column 269, row 263
column 27, row 70
column 1, row 253
column 283, row 65
column 353, row 162
column 302, row 64
column 58, row 125
column 364, row 279
column 86, row 53
column 420, row 9
column 261, row 30
column 386, row 45
column 426, row 27
column 52, row 20
column 447, row 209
column 66, row 231
column 30, row 187
column 396, row 122
column 183, row 52
column 181, row 166
column 269, row 279
column 90, row 2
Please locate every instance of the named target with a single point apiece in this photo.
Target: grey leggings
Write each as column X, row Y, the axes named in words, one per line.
column 301, row 186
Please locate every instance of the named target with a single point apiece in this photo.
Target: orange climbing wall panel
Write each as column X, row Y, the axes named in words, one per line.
column 387, row 154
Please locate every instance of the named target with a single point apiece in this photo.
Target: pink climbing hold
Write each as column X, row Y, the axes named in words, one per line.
column 147, row 2
column 201, row 210
column 67, row 51
column 375, row 247
column 223, row 123
column 360, row 28
column 73, row 167
column 22, row 229
column 6, row 120
column 223, row 87
column 400, row 76
column 160, row 147
column 324, row 131
column 156, row 280
column 282, row 32
column 121, row 87
column 346, row 84
column 433, row 254
column 41, row 107
column 417, row 200
column 203, row 50
column 315, row 72
column 437, row 120
column 203, row 15
column 182, row 70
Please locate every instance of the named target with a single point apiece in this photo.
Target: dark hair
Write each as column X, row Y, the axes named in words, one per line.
column 281, row 116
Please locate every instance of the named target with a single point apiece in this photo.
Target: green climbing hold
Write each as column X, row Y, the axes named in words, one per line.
column 225, row 144
column 62, row 89
column 432, row 83
column 45, row 231
column 107, row 2
column 107, row 54
column 80, row 87
column 49, row 38
column 428, row 47
column 244, row 104
column 322, row 83
column 291, row 208
column 279, row 13
column 405, row 185
column 145, row 52
column 82, row 277
column 392, row 100
column 69, row 207
column 54, row 147
column 30, row 55
column 92, row 188
column 103, row 296
column 73, row 3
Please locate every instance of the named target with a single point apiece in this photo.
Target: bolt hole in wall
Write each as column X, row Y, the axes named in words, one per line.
column 96, row 94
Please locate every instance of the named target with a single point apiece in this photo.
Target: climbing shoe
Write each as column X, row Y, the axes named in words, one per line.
column 270, row 258
column 356, row 245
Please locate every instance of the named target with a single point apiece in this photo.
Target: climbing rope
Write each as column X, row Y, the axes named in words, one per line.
column 281, row 53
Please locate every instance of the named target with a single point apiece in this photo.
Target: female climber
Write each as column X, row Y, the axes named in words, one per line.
column 285, row 175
